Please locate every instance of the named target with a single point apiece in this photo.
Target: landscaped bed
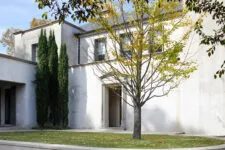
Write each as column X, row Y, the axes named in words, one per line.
column 110, row 139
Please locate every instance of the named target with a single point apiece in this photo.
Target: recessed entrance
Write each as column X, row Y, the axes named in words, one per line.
column 115, row 107
column 8, row 103
column 10, row 106
column 112, row 106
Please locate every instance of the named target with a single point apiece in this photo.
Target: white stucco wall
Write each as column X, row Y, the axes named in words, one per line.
column 85, row 98
column 24, row 41
column 68, row 38
column 17, row 71
column 87, row 47
column 64, row 33
column 196, row 106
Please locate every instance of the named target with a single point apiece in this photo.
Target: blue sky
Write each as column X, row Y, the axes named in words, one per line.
column 17, row 14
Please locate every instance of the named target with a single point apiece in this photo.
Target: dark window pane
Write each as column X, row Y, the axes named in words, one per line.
column 34, row 52
column 101, row 57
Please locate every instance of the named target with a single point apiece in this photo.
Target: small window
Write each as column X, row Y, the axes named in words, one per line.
column 100, row 49
column 125, row 41
column 34, row 52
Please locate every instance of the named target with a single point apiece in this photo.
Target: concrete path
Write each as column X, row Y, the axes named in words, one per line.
column 12, row 145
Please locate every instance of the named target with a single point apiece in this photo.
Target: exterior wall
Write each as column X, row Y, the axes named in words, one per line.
column 71, row 42
column 24, row 41
column 85, row 98
column 64, row 33
column 21, row 72
column 196, row 106
column 87, row 47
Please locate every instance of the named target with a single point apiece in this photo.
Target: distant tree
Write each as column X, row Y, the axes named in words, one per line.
column 8, row 40
column 53, row 80
column 42, row 81
column 216, row 9
column 63, row 85
column 38, row 22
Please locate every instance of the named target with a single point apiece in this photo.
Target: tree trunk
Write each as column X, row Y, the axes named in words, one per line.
column 137, row 123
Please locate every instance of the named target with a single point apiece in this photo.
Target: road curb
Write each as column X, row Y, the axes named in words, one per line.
column 16, row 145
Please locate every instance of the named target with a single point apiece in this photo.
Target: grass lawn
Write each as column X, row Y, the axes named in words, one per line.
column 109, row 139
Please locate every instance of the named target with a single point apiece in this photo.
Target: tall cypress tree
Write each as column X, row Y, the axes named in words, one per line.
column 53, row 80
column 42, row 77
column 50, row 117
column 63, row 85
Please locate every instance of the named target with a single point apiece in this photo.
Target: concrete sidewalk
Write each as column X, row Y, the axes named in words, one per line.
column 12, row 145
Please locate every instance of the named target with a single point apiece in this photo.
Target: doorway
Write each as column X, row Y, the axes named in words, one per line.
column 8, row 106
column 112, row 106
column 115, row 107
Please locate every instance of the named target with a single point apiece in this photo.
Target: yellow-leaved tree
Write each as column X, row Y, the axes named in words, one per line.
column 38, row 22
column 142, row 55
column 7, row 40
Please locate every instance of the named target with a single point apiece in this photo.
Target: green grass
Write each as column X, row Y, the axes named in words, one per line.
column 109, row 139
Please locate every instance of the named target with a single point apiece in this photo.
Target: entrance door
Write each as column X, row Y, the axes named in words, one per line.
column 10, row 106
column 115, row 107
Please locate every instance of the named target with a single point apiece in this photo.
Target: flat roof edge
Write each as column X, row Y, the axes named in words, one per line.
column 49, row 24
column 17, row 59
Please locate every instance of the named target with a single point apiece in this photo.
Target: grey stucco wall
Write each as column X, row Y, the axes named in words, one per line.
column 71, row 42
column 18, row 71
column 24, row 41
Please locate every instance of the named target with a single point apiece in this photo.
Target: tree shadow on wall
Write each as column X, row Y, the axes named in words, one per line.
column 157, row 120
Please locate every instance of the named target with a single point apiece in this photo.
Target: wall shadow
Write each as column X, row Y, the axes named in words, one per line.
column 77, row 97
column 157, row 120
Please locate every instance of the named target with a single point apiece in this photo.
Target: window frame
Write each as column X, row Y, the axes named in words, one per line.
column 34, row 52
column 98, row 57
column 123, row 53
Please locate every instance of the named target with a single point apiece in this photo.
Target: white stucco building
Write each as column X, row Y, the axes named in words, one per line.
column 196, row 106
